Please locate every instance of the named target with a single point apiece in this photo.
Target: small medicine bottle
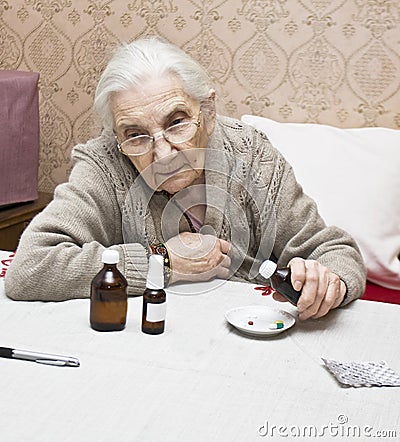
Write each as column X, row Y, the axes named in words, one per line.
column 280, row 280
column 109, row 295
column 154, row 298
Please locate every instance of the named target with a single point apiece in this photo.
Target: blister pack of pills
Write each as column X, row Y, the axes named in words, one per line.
column 363, row 374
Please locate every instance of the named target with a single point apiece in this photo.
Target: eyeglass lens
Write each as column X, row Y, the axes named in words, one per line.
column 179, row 133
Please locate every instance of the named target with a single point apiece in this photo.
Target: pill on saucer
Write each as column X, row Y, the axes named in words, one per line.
column 276, row 325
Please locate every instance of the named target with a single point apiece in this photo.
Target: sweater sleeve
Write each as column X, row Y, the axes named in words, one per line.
column 302, row 232
column 284, row 221
column 60, row 251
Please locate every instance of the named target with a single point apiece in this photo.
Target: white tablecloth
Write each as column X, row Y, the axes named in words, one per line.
column 199, row 381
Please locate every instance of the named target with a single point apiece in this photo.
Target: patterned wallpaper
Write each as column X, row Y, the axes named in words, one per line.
column 325, row 61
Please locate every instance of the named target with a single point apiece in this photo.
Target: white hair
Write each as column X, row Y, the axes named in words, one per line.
column 145, row 59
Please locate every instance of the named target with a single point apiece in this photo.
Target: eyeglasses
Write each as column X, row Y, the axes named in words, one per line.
column 175, row 134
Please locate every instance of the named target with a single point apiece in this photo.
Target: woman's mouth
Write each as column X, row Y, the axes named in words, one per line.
column 172, row 172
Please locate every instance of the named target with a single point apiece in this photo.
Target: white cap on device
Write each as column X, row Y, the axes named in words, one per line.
column 267, row 269
column 110, row 256
column 155, row 276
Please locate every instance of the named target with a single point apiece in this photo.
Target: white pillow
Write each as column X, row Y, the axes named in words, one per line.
column 354, row 176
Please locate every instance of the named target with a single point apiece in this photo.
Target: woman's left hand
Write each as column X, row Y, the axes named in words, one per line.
column 321, row 289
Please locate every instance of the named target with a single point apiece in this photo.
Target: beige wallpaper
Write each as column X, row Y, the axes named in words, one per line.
column 335, row 62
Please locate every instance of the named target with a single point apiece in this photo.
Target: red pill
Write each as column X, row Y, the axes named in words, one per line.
column 250, row 322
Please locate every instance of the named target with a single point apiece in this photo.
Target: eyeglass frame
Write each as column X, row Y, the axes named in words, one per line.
column 157, row 136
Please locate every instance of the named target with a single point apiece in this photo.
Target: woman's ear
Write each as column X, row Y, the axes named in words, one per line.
column 210, row 113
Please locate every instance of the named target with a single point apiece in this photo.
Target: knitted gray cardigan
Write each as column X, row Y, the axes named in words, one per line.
column 253, row 200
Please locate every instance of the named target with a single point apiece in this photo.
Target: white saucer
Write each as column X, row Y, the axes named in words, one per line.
column 256, row 320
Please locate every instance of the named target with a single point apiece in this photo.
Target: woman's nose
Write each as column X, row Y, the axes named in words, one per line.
column 162, row 147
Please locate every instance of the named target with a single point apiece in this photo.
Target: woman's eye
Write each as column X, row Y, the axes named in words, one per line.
column 177, row 121
column 133, row 134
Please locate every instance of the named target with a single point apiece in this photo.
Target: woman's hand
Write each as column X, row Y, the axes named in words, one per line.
column 197, row 257
column 322, row 290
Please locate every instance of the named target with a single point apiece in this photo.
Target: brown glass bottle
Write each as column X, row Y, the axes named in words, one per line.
column 280, row 280
column 154, row 298
column 108, row 296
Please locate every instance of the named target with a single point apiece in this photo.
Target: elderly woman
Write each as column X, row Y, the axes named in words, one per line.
column 168, row 175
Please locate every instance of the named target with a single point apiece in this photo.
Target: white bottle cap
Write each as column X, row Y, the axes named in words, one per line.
column 155, row 276
column 267, row 269
column 110, row 256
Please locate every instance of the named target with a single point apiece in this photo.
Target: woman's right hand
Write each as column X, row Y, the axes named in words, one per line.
column 197, row 257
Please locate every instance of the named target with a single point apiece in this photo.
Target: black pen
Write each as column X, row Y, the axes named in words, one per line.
column 40, row 358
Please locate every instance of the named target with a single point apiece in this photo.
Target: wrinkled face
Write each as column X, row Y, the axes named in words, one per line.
column 150, row 109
